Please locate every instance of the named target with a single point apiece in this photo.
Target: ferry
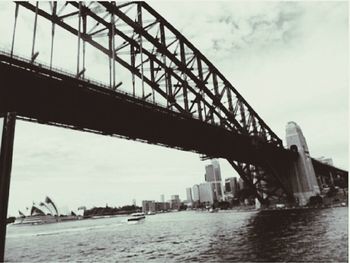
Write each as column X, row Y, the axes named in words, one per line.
column 137, row 217
column 150, row 213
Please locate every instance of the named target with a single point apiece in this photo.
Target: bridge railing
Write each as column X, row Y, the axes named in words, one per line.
column 65, row 72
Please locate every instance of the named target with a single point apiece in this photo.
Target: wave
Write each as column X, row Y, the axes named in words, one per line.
column 62, row 231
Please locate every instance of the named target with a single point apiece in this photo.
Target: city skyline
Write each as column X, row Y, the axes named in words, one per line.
column 274, row 42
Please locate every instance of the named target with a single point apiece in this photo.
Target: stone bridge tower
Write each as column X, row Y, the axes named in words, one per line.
column 302, row 175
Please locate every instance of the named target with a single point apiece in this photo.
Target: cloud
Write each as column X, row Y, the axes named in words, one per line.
column 260, row 28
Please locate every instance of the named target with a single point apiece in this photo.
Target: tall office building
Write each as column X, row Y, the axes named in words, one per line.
column 217, row 170
column 162, row 206
column 213, row 175
column 175, row 197
column 206, row 193
column 212, row 171
column 189, row 195
column 175, row 202
column 148, row 206
column 195, row 193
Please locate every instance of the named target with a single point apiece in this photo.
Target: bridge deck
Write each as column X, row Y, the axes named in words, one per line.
column 52, row 97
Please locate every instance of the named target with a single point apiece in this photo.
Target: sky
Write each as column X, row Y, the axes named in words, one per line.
column 289, row 60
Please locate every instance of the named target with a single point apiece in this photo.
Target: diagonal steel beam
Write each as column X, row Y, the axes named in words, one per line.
column 213, row 69
column 248, row 181
column 153, row 57
column 162, row 48
column 104, row 50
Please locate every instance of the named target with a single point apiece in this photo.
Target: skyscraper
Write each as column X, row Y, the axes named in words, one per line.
column 175, row 202
column 162, row 198
column 195, row 193
column 217, row 170
column 212, row 171
column 148, row 206
column 206, row 193
column 213, row 175
column 189, row 195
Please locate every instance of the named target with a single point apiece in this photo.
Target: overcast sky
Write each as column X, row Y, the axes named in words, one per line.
column 288, row 59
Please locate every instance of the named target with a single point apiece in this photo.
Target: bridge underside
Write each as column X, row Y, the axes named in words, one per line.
column 57, row 99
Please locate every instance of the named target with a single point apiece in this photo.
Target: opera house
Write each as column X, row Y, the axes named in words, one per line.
column 45, row 212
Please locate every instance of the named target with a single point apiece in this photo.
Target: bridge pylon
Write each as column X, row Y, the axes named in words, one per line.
column 303, row 180
column 6, row 152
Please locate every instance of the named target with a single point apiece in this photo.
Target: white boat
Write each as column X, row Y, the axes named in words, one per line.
column 280, row 206
column 136, row 216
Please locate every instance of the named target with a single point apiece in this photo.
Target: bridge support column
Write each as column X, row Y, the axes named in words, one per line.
column 6, row 151
column 302, row 174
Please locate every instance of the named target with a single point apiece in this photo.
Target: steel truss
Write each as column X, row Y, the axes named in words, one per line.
column 169, row 67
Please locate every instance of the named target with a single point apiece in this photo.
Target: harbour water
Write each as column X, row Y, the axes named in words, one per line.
column 304, row 235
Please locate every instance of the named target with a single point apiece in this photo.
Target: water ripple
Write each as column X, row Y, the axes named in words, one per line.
column 313, row 235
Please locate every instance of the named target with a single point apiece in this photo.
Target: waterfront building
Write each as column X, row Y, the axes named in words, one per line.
column 162, row 206
column 162, row 199
column 177, row 197
column 217, row 170
column 213, row 175
column 218, row 192
column 206, row 193
column 175, row 202
column 189, row 195
column 148, row 206
column 159, row 206
column 195, row 193
column 212, row 171
column 167, row 206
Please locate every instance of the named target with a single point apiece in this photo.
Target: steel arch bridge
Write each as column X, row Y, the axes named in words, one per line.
column 176, row 97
